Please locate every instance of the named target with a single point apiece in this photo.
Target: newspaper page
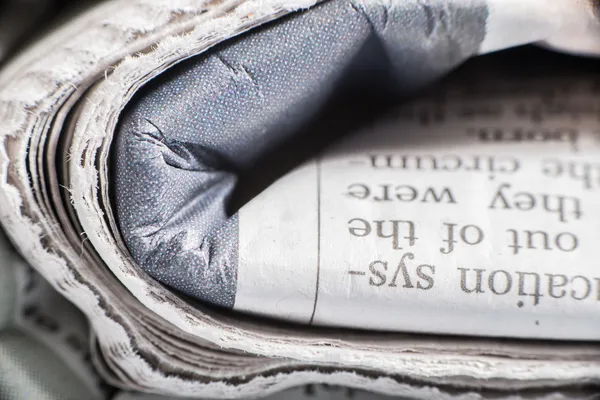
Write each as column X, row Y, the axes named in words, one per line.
column 471, row 213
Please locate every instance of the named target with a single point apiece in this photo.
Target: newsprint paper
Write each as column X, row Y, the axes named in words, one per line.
column 444, row 250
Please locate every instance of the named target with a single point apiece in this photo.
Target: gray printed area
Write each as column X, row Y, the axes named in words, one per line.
column 186, row 137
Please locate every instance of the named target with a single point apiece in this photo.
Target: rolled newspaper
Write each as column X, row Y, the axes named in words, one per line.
column 442, row 248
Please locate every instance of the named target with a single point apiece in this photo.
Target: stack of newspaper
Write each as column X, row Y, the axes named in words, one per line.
column 441, row 247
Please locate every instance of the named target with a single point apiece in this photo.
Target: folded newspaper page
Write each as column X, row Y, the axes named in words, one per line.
column 245, row 196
